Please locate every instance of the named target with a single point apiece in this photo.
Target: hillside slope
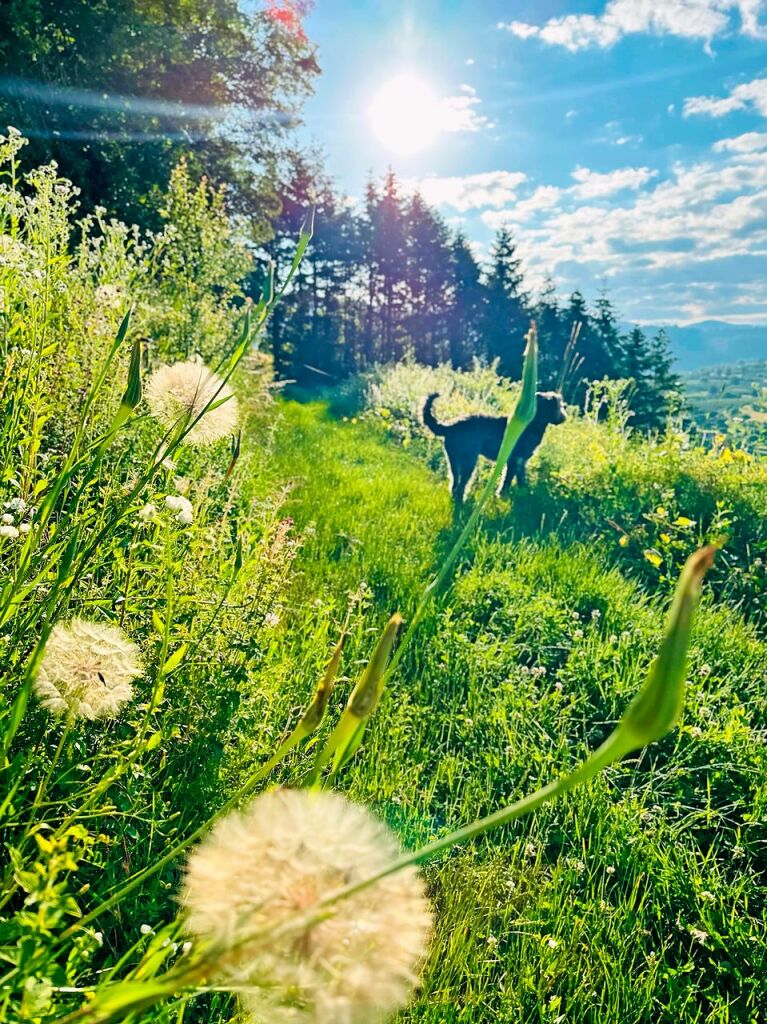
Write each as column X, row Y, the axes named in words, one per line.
column 640, row 897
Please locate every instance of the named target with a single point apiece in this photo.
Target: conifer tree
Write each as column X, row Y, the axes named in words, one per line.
column 467, row 312
column 506, row 311
column 429, row 281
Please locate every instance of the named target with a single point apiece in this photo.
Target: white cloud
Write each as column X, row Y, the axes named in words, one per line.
column 704, row 212
column 751, row 142
column 471, row 191
column 459, row 113
column 747, row 95
column 593, row 185
column 545, row 197
column 688, row 19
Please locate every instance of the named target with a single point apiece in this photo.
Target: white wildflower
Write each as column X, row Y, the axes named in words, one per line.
column 708, row 896
column 182, row 507
column 578, row 634
column 9, row 532
column 7, row 518
column 276, row 859
column 271, row 619
column 110, row 296
column 182, row 391
column 705, row 670
column 16, row 505
column 25, row 527
column 610, row 869
column 87, row 670
column 146, row 929
column 149, row 511
column 699, row 935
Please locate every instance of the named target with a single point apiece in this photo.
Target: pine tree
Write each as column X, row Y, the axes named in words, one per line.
column 665, row 383
column 389, row 252
column 607, row 354
column 429, row 280
column 506, row 311
column 637, row 367
column 551, row 335
column 467, row 312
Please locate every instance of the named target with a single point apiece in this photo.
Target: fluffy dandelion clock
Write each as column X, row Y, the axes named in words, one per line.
column 184, row 513
column 180, row 392
column 87, row 670
column 353, row 964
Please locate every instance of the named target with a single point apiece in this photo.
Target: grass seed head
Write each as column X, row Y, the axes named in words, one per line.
column 87, row 670
column 357, row 960
column 182, row 390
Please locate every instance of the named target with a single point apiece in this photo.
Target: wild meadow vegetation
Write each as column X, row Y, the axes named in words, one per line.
column 201, row 581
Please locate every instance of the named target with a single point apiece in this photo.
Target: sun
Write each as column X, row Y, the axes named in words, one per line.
column 405, row 114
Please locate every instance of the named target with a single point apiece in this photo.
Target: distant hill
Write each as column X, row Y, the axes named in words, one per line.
column 713, row 342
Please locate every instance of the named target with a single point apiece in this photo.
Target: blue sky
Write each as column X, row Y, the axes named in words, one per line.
column 624, row 142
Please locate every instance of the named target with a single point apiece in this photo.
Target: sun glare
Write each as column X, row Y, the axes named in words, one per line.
column 405, row 114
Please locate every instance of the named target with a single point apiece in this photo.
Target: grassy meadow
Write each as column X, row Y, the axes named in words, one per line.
column 232, row 568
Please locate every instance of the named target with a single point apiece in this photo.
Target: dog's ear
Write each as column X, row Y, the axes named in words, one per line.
column 554, row 407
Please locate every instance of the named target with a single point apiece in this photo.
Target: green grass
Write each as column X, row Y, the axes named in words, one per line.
column 589, row 911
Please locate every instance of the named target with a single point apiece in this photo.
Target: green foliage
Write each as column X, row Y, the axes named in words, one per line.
column 116, row 92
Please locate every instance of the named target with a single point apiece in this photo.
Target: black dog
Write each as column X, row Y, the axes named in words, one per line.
column 468, row 438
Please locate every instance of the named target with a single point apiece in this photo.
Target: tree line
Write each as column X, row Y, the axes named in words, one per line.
column 388, row 279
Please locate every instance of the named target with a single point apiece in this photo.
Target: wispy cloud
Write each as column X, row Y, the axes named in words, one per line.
column 751, row 142
column 593, row 185
column 460, row 114
column 747, row 95
column 687, row 19
column 471, row 191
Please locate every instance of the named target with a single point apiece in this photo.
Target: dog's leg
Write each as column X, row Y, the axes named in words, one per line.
column 507, row 478
column 458, row 489
column 463, row 469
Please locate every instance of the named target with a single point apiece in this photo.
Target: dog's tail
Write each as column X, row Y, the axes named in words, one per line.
column 430, row 421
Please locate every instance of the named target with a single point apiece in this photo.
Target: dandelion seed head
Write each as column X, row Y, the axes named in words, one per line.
column 149, row 511
column 184, row 513
column 8, row 531
column 182, row 390
column 25, row 527
column 287, row 850
column 87, row 670
column 7, row 518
